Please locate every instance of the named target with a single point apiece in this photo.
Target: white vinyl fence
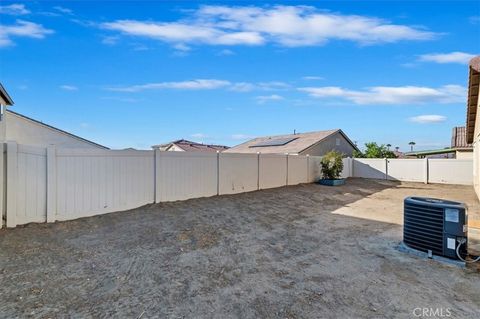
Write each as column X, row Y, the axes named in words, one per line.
column 443, row 171
column 50, row 184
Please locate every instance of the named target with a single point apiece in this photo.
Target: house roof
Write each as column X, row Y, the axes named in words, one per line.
column 459, row 138
column 56, row 129
column 5, row 96
column 189, row 146
column 289, row 143
column 473, row 87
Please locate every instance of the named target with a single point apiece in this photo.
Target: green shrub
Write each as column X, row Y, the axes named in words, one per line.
column 332, row 165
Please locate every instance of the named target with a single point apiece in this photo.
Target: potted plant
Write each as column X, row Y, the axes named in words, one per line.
column 332, row 166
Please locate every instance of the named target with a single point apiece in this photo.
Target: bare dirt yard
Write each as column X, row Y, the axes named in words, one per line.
column 306, row 251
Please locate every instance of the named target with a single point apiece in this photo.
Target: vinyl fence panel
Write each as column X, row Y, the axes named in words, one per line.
column 272, row 171
column 297, row 169
column 238, row 173
column 412, row 170
column 347, row 168
column 314, row 168
column 370, row 168
column 184, row 175
column 450, row 171
column 91, row 182
column 31, row 186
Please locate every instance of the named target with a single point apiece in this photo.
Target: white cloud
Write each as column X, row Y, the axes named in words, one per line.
column 183, row 33
column 199, row 136
column 199, row 84
column 312, row 78
column 427, row 119
column 63, row 10
column 264, row 86
column 67, row 87
column 182, row 47
column 452, row 57
column 21, row 28
column 110, row 40
column 266, row 98
column 242, row 137
column 392, row 95
column 474, row 19
column 205, row 84
column 273, row 85
column 225, row 52
column 289, row 26
column 242, row 87
column 14, row 9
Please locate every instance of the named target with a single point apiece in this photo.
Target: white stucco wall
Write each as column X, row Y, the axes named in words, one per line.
column 28, row 132
column 464, row 155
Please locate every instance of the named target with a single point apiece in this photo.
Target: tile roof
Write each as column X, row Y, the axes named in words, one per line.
column 189, row 146
column 459, row 138
column 301, row 142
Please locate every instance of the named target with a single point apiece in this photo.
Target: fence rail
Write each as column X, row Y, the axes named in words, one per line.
column 49, row 184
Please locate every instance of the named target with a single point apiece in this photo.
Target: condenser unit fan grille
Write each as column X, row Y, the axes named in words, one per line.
column 423, row 227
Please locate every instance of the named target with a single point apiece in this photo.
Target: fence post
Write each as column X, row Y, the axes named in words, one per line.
column 258, row 171
column 286, row 179
column 350, row 163
column 218, row 173
column 51, row 184
column 308, row 168
column 386, row 168
column 425, row 170
column 12, row 173
column 353, row 164
column 156, row 170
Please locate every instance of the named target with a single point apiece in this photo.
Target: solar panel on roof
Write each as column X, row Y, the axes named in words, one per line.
column 274, row 142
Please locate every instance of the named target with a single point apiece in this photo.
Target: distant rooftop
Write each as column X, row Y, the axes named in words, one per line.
column 190, row 146
column 289, row 143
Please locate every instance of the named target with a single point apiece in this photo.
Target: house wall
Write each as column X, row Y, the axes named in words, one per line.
column 25, row 131
column 175, row 148
column 476, row 153
column 330, row 143
column 464, row 154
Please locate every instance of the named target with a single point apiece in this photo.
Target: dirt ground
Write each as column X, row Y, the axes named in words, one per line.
column 306, row 251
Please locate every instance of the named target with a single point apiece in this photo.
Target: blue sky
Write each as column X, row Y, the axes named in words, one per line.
column 135, row 74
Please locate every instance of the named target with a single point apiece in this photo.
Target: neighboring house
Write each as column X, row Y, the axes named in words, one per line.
column 189, row 146
column 459, row 148
column 311, row 143
column 463, row 150
column 473, row 120
column 25, row 130
column 447, row 152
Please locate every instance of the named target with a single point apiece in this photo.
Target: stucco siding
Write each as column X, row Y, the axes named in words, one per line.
column 25, row 131
column 464, row 155
column 330, row 143
column 476, row 153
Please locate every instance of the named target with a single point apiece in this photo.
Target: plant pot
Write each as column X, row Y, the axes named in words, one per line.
column 332, row 182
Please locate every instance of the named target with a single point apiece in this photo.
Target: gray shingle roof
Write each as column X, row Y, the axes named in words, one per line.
column 301, row 142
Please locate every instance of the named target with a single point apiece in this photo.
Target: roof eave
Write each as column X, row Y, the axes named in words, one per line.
column 5, row 96
column 472, row 101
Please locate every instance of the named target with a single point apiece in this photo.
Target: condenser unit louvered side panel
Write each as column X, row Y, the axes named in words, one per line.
column 423, row 227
